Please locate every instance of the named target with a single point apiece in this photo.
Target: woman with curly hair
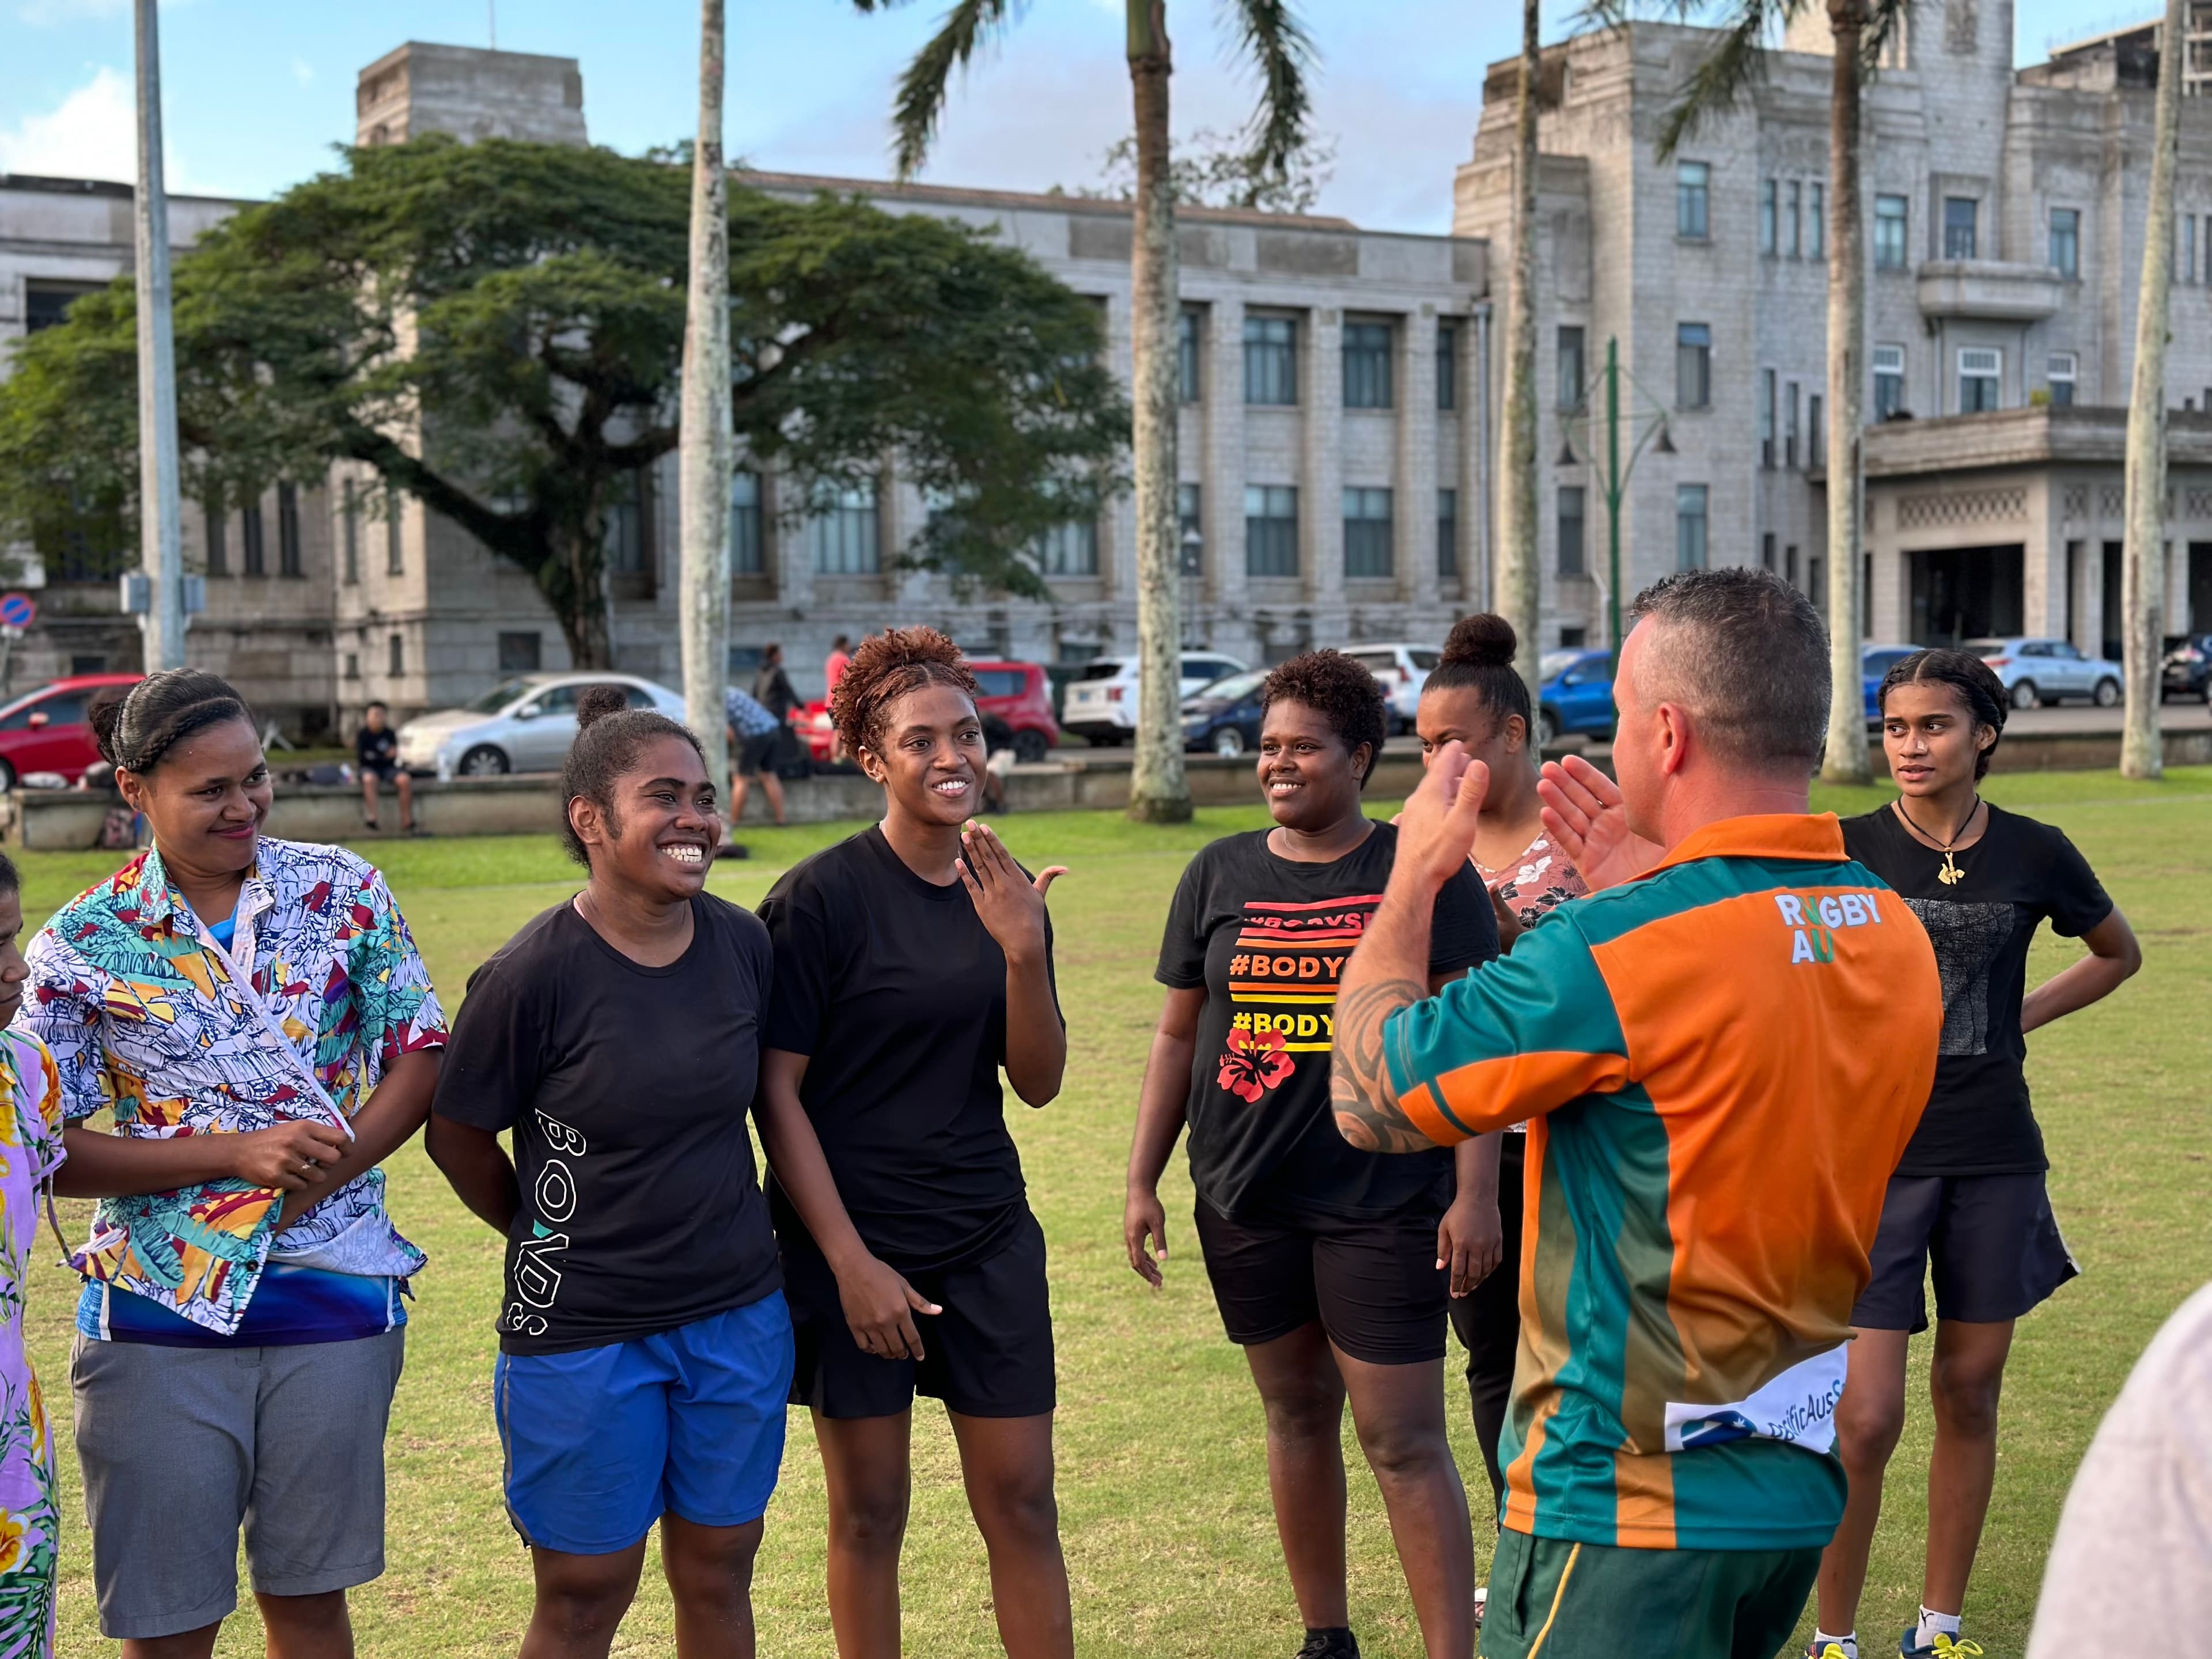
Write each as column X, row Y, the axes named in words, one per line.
column 1332, row 1267
column 913, row 962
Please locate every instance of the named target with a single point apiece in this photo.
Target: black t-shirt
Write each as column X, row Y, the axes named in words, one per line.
column 627, row 1088
column 2018, row 873
column 896, row 992
column 1267, row 937
column 772, row 691
column 375, row 750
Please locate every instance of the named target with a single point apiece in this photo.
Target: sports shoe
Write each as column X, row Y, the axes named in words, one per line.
column 1330, row 1644
column 1827, row 1650
column 1945, row 1647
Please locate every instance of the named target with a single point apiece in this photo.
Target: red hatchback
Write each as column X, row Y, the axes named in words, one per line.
column 45, row 730
column 1016, row 692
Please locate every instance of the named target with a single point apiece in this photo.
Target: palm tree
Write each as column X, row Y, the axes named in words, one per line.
column 1272, row 37
column 1860, row 28
column 1519, row 593
column 703, row 453
column 2143, row 557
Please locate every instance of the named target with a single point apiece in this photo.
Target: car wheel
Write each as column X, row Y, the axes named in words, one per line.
column 484, row 761
column 1228, row 743
column 2108, row 693
column 1547, row 728
column 7, row 777
column 2023, row 695
column 1030, row 748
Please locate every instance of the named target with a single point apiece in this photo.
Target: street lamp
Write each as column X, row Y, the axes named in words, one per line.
column 1612, row 483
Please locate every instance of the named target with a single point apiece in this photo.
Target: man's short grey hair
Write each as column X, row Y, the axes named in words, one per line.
column 1747, row 655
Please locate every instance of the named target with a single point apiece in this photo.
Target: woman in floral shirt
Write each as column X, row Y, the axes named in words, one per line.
column 255, row 1017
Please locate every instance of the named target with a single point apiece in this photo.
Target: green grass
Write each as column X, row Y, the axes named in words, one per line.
column 1170, row 1541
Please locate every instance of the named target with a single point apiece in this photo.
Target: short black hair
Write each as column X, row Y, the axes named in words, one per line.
column 137, row 725
column 378, row 703
column 1341, row 692
column 1478, row 656
column 1751, row 662
column 11, row 878
column 1980, row 691
column 609, row 735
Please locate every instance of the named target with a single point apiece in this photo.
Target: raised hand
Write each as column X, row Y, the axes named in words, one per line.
column 1435, row 832
column 1586, row 818
column 1010, row 905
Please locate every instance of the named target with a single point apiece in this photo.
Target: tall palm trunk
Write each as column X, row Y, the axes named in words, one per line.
column 2143, row 557
column 704, row 461
column 1846, row 759
column 1159, row 791
column 1518, row 596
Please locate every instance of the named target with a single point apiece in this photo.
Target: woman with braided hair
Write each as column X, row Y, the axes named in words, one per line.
column 914, row 962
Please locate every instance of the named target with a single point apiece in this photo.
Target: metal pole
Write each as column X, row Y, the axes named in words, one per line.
column 160, row 509
column 1613, row 492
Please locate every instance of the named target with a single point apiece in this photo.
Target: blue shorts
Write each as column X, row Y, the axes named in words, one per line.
column 599, row 1443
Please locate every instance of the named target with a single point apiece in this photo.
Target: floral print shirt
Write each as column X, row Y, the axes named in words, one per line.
column 322, row 989
column 1535, row 884
column 30, row 1152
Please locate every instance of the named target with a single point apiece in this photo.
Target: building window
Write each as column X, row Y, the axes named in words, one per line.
column 1186, row 355
column 1816, row 221
column 622, row 525
column 1766, row 550
column 1572, row 372
column 218, row 536
column 395, row 544
column 2066, row 242
column 288, row 531
column 349, row 532
column 1888, row 381
column 1960, row 216
column 843, row 533
column 1789, row 396
column 1694, row 201
column 1447, row 532
column 1766, row 417
column 748, row 554
column 1573, row 639
column 45, row 304
column 1816, row 446
column 251, row 549
column 1981, row 370
column 1767, row 188
column 1571, row 530
column 1367, row 532
column 1190, row 531
column 395, row 655
column 1270, row 530
column 2060, row 374
column 1689, row 526
column 1069, row 549
column 1791, row 246
column 1889, row 226
column 520, row 652
column 1447, row 366
column 1271, row 359
column 353, row 664
column 2185, row 251
column 1693, row 365
column 1367, row 365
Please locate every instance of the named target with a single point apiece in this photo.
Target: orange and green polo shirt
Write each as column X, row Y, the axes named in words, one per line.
column 1722, row 1062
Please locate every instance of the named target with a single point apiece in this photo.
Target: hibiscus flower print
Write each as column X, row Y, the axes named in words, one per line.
column 1257, row 1062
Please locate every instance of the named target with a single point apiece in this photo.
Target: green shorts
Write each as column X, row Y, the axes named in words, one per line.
column 1553, row 1600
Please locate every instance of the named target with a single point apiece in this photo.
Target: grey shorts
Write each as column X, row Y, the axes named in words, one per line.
column 1992, row 1242
column 182, row 1447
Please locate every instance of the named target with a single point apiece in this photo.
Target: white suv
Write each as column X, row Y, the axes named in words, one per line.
column 1403, row 670
column 1100, row 703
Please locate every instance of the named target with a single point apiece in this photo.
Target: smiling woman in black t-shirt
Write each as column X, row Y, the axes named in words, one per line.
column 1331, row 1265
column 913, row 963
column 1968, row 1195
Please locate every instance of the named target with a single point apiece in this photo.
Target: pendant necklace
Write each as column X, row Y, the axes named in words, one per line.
column 1950, row 875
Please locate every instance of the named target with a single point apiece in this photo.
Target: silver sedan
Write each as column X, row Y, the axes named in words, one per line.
column 522, row 725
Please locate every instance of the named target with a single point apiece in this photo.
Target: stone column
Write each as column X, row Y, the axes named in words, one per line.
column 1320, row 485
column 1221, row 496
column 785, row 555
column 1414, row 510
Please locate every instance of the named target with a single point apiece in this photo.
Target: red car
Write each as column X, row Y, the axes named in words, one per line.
column 45, row 730
column 1017, row 693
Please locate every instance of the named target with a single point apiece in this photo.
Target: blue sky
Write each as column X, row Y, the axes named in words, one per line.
column 258, row 90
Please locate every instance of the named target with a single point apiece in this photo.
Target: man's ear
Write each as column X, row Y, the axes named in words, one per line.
column 1675, row 737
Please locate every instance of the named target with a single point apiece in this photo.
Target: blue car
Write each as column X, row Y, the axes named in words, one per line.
column 1224, row 719
column 1875, row 661
column 1576, row 695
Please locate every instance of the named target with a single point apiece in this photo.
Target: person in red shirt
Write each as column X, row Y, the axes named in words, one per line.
column 832, row 670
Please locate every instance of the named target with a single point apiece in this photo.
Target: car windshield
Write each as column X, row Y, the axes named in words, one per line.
column 1234, row 687
column 1104, row 669
column 1552, row 664
column 1986, row 647
column 497, row 698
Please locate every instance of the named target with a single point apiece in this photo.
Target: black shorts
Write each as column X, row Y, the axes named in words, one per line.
column 389, row 770
column 1374, row 1285
column 1994, row 1243
column 757, row 755
column 988, row 1354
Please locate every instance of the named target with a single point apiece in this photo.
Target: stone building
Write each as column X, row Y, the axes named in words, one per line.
column 2004, row 232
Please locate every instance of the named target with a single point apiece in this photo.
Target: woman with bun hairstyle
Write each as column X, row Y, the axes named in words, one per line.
column 645, row 1351
column 1968, row 1198
column 1474, row 696
column 914, row 964
column 256, row 1017
column 1331, row 1265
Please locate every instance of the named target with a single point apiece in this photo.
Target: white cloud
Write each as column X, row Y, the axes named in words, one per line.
column 90, row 134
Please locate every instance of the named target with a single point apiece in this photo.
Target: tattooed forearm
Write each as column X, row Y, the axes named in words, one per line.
column 1367, row 1111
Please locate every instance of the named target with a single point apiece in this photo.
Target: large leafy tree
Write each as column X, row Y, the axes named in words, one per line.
column 1271, row 38
column 497, row 329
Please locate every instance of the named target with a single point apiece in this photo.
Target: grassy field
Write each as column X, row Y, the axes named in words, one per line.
column 1170, row 1542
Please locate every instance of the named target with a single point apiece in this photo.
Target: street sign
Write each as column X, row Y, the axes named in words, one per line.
column 17, row 611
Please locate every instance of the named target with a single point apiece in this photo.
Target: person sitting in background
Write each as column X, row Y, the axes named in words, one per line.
column 376, row 751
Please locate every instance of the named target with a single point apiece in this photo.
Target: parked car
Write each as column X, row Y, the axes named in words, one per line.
column 1018, row 693
column 45, row 730
column 1574, row 694
column 1224, row 719
column 1100, row 702
column 522, row 725
column 1874, row 661
column 2045, row 670
column 2187, row 671
column 1402, row 669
